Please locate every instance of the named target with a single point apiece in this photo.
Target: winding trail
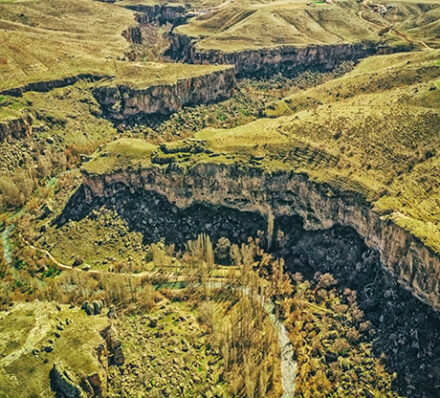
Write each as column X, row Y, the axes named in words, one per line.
column 367, row 5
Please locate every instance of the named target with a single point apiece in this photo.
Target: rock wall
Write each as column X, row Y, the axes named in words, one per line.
column 133, row 34
column 414, row 265
column 121, row 102
column 14, row 129
column 287, row 60
column 161, row 14
column 67, row 385
column 62, row 383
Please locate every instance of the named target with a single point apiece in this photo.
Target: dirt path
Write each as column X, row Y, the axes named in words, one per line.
column 367, row 3
column 7, row 252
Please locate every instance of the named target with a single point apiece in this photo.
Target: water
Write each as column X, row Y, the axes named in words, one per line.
column 7, row 250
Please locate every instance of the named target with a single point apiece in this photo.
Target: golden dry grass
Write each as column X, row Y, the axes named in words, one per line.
column 236, row 26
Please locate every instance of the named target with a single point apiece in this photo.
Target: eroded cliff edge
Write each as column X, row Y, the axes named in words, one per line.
column 285, row 59
column 120, row 101
column 283, row 193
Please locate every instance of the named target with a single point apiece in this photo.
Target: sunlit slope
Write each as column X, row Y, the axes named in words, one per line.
column 47, row 40
column 236, row 26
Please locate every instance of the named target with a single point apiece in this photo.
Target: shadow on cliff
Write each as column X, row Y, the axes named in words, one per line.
column 153, row 216
column 407, row 331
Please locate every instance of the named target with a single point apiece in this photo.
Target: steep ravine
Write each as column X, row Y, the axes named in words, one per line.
column 159, row 13
column 287, row 60
column 321, row 232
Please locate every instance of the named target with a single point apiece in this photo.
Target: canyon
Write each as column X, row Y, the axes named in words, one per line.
column 414, row 265
column 162, row 162
column 266, row 62
column 312, row 227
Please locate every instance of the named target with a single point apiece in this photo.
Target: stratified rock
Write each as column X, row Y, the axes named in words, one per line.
column 121, row 102
column 414, row 265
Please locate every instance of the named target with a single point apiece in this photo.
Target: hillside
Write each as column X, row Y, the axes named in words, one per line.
column 362, row 135
column 239, row 26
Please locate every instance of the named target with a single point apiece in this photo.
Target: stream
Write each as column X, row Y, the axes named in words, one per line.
column 7, row 251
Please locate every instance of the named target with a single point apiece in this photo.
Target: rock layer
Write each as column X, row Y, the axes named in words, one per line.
column 161, row 14
column 275, row 195
column 288, row 60
column 133, row 34
column 121, row 102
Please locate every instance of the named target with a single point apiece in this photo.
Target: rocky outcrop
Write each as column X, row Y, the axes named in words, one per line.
column 280, row 194
column 133, row 34
column 67, row 385
column 122, row 102
column 14, row 129
column 62, row 383
column 287, row 60
column 161, row 14
column 114, row 347
column 51, row 84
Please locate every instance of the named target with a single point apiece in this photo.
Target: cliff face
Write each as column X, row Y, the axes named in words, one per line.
column 121, row 102
column 133, row 34
column 286, row 194
column 162, row 14
column 14, row 129
column 66, row 384
column 287, row 60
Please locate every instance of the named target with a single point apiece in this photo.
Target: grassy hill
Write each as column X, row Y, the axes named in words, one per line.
column 48, row 40
column 236, row 26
